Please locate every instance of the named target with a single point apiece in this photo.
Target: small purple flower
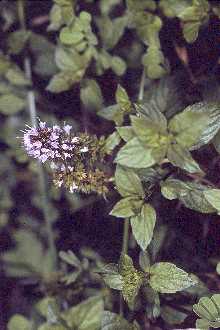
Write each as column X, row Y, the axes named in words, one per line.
column 65, row 146
column 42, row 124
column 43, row 158
column 54, row 136
column 55, row 145
column 67, row 129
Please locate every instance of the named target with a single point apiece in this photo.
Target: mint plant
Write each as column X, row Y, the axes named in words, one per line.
column 110, row 135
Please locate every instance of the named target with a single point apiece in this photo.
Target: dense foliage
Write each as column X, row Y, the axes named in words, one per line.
column 110, row 186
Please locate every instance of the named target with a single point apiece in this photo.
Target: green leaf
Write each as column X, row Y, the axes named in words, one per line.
column 172, row 8
column 112, row 321
column 107, row 5
column 70, row 60
column 111, row 30
column 91, row 95
column 128, row 182
column 151, row 135
column 143, row 226
column 181, row 157
column 86, row 315
column 11, row 104
column 188, row 126
column 202, row 324
column 140, row 5
column 191, row 194
column 111, row 276
column 16, row 77
column 209, row 310
column 165, row 96
column 148, row 131
column 17, row 41
column 70, row 258
column 126, row 132
column 153, row 60
column 172, row 316
column 118, row 65
column 113, row 112
column 43, row 52
column 55, row 17
column 165, row 277
column 191, row 31
column 43, row 305
column 18, row 322
column 213, row 197
column 127, row 207
column 45, row 64
column 144, row 261
column 20, row 262
column 135, row 155
column 212, row 110
column 123, row 100
column 70, row 37
column 132, row 279
column 218, row 268
column 193, row 17
column 111, row 142
column 151, row 110
column 63, row 81
column 148, row 27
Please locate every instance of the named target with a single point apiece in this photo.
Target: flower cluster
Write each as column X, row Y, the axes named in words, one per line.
column 74, row 158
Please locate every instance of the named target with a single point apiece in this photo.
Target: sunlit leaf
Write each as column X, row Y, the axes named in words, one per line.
column 191, row 194
column 128, row 182
column 181, row 157
column 208, row 309
column 143, row 225
column 126, row 132
column 18, row 322
column 123, row 100
column 86, row 315
column 111, row 276
column 111, row 142
column 127, row 207
column 135, row 155
column 166, row 277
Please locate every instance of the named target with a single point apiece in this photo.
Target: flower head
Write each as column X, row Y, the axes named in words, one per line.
column 72, row 158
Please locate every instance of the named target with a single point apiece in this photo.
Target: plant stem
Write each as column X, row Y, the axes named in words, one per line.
column 124, row 251
column 125, row 237
column 41, row 173
column 142, row 83
column 21, row 13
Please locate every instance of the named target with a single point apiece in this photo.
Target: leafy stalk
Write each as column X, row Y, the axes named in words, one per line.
column 127, row 221
column 33, row 117
column 124, row 251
